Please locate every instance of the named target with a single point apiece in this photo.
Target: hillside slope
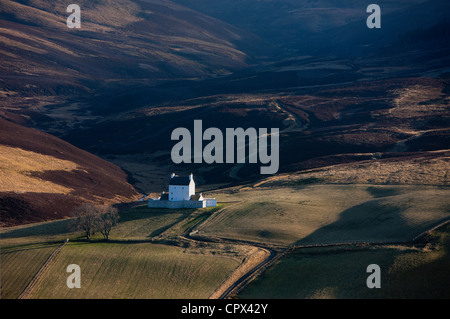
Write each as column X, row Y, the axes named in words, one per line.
column 44, row 178
column 120, row 42
column 137, row 70
column 320, row 126
column 335, row 27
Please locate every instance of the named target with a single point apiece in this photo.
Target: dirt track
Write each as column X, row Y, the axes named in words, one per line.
column 29, row 288
column 252, row 268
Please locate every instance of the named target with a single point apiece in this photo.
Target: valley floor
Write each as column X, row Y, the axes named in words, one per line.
column 297, row 241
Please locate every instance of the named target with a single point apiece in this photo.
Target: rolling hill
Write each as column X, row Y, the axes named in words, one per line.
column 322, row 26
column 86, row 115
column 121, row 43
column 44, row 178
column 392, row 120
column 137, row 70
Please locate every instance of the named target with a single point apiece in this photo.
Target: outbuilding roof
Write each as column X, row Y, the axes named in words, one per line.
column 164, row 196
column 196, row 197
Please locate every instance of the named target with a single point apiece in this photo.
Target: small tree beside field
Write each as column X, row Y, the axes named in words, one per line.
column 91, row 218
column 108, row 218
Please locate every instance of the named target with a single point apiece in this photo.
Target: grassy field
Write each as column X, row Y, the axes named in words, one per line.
column 129, row 266
column 406, row 272
column 138, row 270
column 140, row 223
column 137, row 264
column 143, row 223
column 53, row 231
column 316, row 214
column 19, row 264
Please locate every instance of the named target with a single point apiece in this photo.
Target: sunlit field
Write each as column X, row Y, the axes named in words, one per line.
column 111, row 270
column 406, row 272
column 323, row 214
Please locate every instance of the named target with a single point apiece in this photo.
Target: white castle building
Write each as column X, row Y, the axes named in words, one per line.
column 181, row 195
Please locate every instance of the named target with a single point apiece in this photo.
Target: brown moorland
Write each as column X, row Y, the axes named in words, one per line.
column 44, row 177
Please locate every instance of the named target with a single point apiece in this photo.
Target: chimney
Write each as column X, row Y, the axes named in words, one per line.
column 173, row 175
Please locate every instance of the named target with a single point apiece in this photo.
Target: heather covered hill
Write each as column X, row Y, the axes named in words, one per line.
column 118, row 39
column 43, row 62
column 361, row 169
column 323, row 26
column 137, row 70
column 43, row 177
column 391, row 119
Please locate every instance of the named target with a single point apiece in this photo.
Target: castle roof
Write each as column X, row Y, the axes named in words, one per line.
column 180, row 180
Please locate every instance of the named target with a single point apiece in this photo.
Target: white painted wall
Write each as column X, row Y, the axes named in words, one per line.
column 177, row 192
column 191, row 187
column 210, row 202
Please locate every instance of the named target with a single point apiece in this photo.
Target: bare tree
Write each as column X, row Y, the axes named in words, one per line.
column 87, row 219
column 108, row 218
column 92, row 218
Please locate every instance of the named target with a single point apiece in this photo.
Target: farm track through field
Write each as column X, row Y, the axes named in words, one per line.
column 235, row 286
column 240, row 284
column 237, row 282
column 275, row 253
column 28, row 289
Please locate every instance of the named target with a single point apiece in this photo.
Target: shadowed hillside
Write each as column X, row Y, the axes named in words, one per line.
column 44, row 178
column 390, row 121
column 324, row 26
column 121, row 42
column 340, row 93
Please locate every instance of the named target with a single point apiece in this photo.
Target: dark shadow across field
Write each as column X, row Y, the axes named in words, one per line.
column 412, row 271
column 59, row 227
column 372, row 221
